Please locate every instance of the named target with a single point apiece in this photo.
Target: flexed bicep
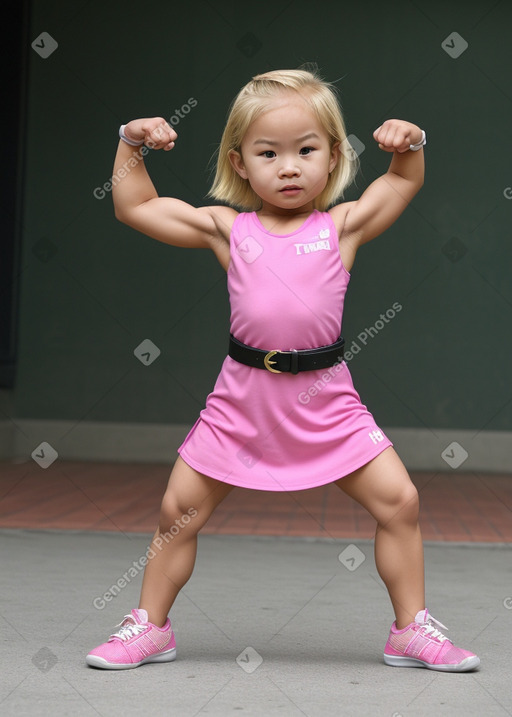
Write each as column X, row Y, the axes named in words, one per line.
column 387, row 197
column 379, row 207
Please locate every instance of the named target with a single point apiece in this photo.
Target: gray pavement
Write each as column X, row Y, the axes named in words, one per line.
column 266, row 626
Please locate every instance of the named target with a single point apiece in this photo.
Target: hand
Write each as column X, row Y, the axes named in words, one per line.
column 155, row 131
column 397, row 135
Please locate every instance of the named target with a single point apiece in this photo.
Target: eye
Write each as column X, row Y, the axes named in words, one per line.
column 306, row 150
column 268, row 154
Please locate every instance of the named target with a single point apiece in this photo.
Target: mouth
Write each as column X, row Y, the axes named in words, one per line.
column 290, row 189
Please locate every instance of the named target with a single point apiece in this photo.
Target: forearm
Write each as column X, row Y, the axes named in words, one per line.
column 131, row 183
column 409, row 165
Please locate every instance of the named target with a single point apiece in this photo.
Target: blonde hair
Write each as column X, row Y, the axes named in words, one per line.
column 253, row 100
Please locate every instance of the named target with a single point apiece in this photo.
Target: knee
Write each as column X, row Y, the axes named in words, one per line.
column 410, row 502
column 175, row 516
column 404, row 505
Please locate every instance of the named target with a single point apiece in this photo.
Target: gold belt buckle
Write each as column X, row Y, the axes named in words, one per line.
column 268, row 362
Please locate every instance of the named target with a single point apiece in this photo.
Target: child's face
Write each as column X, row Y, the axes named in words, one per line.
column 286, row 146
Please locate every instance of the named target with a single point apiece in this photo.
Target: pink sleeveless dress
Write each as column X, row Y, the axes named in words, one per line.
column 282, row 432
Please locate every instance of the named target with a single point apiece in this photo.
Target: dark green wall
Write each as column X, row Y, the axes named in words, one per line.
column 93, row 289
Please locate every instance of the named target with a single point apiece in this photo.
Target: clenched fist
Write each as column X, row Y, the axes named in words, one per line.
column 397, row 135
column 154, row 131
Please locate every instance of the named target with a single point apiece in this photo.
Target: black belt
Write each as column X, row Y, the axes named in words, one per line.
column 293, row 361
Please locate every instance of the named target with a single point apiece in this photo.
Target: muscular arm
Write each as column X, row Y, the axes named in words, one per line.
column 170, row 220
column 387, row 197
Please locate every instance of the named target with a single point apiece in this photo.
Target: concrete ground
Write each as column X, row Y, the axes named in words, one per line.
column 266, row 626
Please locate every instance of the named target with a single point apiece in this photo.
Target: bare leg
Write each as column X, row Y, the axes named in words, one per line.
column 187, row 504
column 384, row 488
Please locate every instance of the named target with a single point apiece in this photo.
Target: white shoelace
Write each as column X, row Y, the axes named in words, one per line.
column 432, row 631
column 128, row 631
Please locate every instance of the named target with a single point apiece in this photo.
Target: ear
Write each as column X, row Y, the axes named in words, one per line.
column 335, row 155
column 237, row 163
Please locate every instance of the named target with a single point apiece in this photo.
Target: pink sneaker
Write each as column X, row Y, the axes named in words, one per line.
column 420, row 644
column 137, row 643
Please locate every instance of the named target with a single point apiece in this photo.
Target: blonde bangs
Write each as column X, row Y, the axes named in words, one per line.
column 255, row 98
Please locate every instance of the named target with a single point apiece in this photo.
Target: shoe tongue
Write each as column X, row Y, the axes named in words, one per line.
column 422, row 617
column 139, row 615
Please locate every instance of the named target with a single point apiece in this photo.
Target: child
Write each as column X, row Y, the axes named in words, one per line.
column 284, row 414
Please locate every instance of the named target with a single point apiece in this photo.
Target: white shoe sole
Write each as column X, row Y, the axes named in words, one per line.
column 95, row 661
column 469, row 663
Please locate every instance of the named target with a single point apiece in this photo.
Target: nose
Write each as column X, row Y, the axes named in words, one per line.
column 289, row 168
